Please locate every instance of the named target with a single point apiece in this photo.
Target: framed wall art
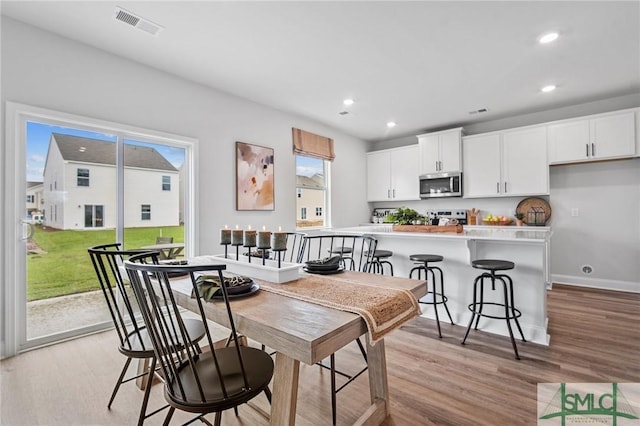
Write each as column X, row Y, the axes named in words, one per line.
column 254, row 177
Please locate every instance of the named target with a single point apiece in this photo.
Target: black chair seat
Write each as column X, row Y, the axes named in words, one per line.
column 427, row 258
column 185, row 393
column 493, row 264
column 140, row 345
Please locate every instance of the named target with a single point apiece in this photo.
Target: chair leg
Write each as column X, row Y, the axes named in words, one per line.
column 115, row 389
column 482, row 277
column 147, row 392
column 434, row 301
column 218, row 418
column 169, row 415
column 267, row 393
column 507, row 312
column 333, row 388
column 474, row 304
column 513, row 306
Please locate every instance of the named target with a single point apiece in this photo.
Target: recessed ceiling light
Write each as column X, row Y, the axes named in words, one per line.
column 348, row 102
column 549, row 88
column 391, row 124
column 548, row 38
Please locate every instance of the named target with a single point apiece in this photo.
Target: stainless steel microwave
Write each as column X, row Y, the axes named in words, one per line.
column 441, row 185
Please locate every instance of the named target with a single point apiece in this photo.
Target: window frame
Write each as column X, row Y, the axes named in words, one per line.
column 81, row 178
column 326, row 189
column 166, row 186
column 145, row 209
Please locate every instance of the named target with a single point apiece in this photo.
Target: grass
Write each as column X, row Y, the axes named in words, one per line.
column 65, row 268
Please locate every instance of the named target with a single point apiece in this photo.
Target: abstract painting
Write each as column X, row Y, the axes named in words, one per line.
column 254, row 177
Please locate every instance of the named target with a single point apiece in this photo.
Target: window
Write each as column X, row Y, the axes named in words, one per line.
column 311, row 191
column 145, row 211
column 166, row 183
column 83, row 177
column 31, row 199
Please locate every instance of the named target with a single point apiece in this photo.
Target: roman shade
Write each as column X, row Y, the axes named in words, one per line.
column 312, row 145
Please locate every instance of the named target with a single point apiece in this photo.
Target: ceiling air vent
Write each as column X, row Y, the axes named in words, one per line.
column 136, row 21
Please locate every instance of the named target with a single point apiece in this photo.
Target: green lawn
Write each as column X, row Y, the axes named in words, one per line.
column 66, row 268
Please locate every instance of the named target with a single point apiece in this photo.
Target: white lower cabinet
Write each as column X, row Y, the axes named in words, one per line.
column 393, row 174
column 600, row 137
column 506, row 164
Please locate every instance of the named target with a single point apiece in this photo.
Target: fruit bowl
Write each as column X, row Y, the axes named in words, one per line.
column 505, row 222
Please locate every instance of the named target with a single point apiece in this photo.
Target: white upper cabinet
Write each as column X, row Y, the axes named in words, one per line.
column 505, row 164
column 440, row 151
column 599, row 137
column 392, row 174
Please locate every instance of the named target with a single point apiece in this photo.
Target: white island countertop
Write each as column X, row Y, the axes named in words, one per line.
column 527, row 246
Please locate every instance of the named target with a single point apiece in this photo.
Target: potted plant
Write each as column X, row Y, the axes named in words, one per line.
column 404, row 216
column 519, row 218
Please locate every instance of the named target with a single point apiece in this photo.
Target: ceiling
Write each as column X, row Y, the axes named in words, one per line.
column 423, row 64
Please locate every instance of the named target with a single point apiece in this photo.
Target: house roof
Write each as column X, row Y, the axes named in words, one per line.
column 88, row 150
column 316, row 181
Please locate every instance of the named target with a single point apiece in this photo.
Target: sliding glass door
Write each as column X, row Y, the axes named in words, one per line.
column 84, row 185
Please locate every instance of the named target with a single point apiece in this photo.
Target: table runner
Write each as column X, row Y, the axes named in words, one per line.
column 383, row 309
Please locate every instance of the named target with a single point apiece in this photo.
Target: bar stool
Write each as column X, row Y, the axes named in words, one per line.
column 345, row 255
column 510, row 312
column 437, row 298
column 377, row 264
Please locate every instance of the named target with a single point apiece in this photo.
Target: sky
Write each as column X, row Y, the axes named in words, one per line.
column 39, row 135
column 307, row 166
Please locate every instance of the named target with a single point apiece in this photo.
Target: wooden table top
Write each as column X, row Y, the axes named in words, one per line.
column 301, row 330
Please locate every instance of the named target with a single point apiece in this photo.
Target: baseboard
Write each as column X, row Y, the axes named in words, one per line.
column 628, row 286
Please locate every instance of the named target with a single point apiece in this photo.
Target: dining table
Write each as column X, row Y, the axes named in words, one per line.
column 167, row 250
column 302, row 331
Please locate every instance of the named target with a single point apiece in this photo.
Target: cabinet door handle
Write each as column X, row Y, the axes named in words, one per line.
column 505, row 187
column 498, row 187
column 593, row 149
column 388, row 193
column 394, row 193
column 437, row 166
column 587, row 146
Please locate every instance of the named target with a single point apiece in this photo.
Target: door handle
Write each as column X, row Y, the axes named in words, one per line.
column 587, row 146
column 388, row 193
column 593, row 149
column 497, row 187
column 394, row 193
column 505, row 186
column 29, row 228
column 437, row 168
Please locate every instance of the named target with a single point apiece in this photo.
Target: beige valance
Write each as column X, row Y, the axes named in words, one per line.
column 312, row 145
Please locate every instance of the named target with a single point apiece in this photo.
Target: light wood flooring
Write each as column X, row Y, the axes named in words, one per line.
column 595, row 338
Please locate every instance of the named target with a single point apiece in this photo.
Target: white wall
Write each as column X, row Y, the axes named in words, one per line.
column 606, row 232
column 45, row 70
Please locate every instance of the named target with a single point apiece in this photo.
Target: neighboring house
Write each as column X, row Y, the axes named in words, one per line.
column 35, row 200
column 80, row 185
column 310, row 198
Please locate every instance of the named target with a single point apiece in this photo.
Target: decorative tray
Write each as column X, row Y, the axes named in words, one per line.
column 532, row 205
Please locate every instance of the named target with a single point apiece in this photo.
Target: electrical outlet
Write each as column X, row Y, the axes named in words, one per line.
column 575, row 212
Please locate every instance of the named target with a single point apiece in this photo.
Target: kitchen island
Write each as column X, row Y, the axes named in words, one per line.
column 527, row 247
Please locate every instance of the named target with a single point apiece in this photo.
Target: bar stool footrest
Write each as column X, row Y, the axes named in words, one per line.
column 440, row 299
column 518, row 314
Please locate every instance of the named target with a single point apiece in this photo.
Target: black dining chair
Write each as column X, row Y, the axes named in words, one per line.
column 359, row 251
column 133, row 335
column 198, row 381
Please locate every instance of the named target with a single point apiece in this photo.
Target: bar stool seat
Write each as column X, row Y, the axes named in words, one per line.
column 377, row 262
column 433, row 297
column 346, row 254
column 510, row 311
